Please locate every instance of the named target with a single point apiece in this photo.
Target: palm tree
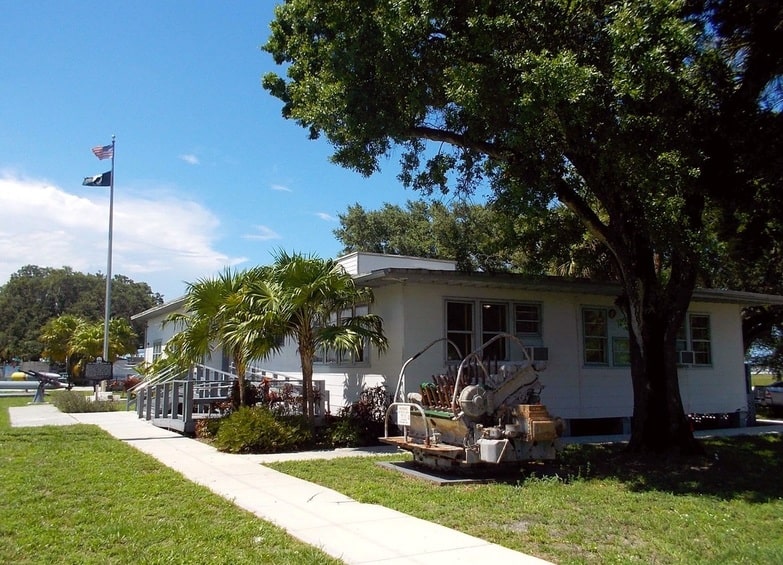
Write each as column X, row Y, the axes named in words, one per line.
column 57, row 334
column 215, row 311
column 122, row 338
column 87, row 340
column 300, row 297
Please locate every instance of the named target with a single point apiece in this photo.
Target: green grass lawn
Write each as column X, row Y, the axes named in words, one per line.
column 74, row 494
column 762, row 379
column 600, row 506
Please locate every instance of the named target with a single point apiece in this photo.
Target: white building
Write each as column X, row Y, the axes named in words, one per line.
column 574, row 325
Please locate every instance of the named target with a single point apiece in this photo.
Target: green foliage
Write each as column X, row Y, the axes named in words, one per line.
column 251, row 395
column 71, row 401
column 362, row 422
column 257, row 430
column 207, row 428
column 74, row 341
column 301, row 297
column 344, row 432
column 475, row 236
column 35, row 295
column 87, row 340
column 218, row 314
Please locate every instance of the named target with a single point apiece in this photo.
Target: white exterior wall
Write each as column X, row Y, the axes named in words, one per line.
column 156, row 331
column 414, row 316
column 572, row 390
column 722, row 387
column 361, row 263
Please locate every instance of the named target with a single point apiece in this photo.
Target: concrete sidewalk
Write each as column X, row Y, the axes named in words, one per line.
column 354, row 532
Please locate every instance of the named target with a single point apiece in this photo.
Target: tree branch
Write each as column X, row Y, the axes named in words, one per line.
column 457, row 139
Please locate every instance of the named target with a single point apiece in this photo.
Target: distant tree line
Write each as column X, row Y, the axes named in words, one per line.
column 33, row 296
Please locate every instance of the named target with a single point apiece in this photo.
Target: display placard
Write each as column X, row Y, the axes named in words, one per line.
column 403, row 415
column 97, row 371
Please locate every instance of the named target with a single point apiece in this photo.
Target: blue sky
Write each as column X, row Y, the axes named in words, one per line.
column 207, row 172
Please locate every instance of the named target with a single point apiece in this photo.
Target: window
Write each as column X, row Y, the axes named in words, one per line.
column 621, row 352
column 605, row 337
column 326, row 355
column 694, row 342
column 491, row 319
column 596, row 336
column 527, row 319
column 157, row 349
column 459, row 328
column 353, row 357
column 494, row 321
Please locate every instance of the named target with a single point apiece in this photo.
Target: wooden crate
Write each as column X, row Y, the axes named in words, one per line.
column 533, row 411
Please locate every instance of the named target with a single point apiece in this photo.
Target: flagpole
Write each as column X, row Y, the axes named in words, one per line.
column 107, row 312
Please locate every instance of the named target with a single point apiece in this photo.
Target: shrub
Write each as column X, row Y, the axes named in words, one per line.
column 251, row 394
column 207, row 428
column 115, row 385
column 371, row 406
column 361, row 423
column 257, row 430
column 130, row 382
column 344, row 432
column 71, row 402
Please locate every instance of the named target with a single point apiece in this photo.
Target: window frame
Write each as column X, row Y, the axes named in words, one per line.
column 468, row 334
column 329, row 356
column 602, row 338
column 686, row 339
column 535, row 306
column 473, row 331
column 615, row 340
column 501, row 345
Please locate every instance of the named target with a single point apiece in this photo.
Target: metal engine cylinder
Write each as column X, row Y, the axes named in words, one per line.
column 473, row 401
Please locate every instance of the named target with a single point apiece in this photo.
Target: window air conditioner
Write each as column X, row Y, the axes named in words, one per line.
column 685, row 357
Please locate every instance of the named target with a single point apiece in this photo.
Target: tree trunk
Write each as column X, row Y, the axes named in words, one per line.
column 659, row 423
column 307, row 383
column 241, row 382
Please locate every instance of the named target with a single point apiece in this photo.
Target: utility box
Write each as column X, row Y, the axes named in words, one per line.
column 491, row 450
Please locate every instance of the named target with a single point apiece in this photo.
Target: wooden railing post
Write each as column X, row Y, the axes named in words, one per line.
column 165, row 409
column 140, row 396
column 147, row 403
column 160, row 391
column 187, row 409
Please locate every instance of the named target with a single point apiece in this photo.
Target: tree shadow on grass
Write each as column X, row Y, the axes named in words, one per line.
column 746, row 467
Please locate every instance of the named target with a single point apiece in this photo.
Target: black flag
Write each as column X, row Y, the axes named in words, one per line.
column 98, row 180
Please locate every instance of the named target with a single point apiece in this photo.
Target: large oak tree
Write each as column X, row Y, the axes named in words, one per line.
column 637, row 116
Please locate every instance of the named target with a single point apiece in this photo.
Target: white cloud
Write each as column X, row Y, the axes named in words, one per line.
column 190, row 159
column 263, row 233
column 326, row 217
column 163, row 241
column 280, row 188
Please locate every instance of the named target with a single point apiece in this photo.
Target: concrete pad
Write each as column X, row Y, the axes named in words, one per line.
column 35, row 415
column 438, row 479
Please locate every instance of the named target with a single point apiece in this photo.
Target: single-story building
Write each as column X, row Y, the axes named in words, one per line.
column 573, row 328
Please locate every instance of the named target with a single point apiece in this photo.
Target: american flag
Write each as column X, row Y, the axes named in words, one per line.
column 103, row 151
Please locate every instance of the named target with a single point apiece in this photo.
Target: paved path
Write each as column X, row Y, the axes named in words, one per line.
column 354, row 532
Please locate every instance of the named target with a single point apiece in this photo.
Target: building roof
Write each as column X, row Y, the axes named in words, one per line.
column 160, row 309
column 442, row 274
column 386, row 277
